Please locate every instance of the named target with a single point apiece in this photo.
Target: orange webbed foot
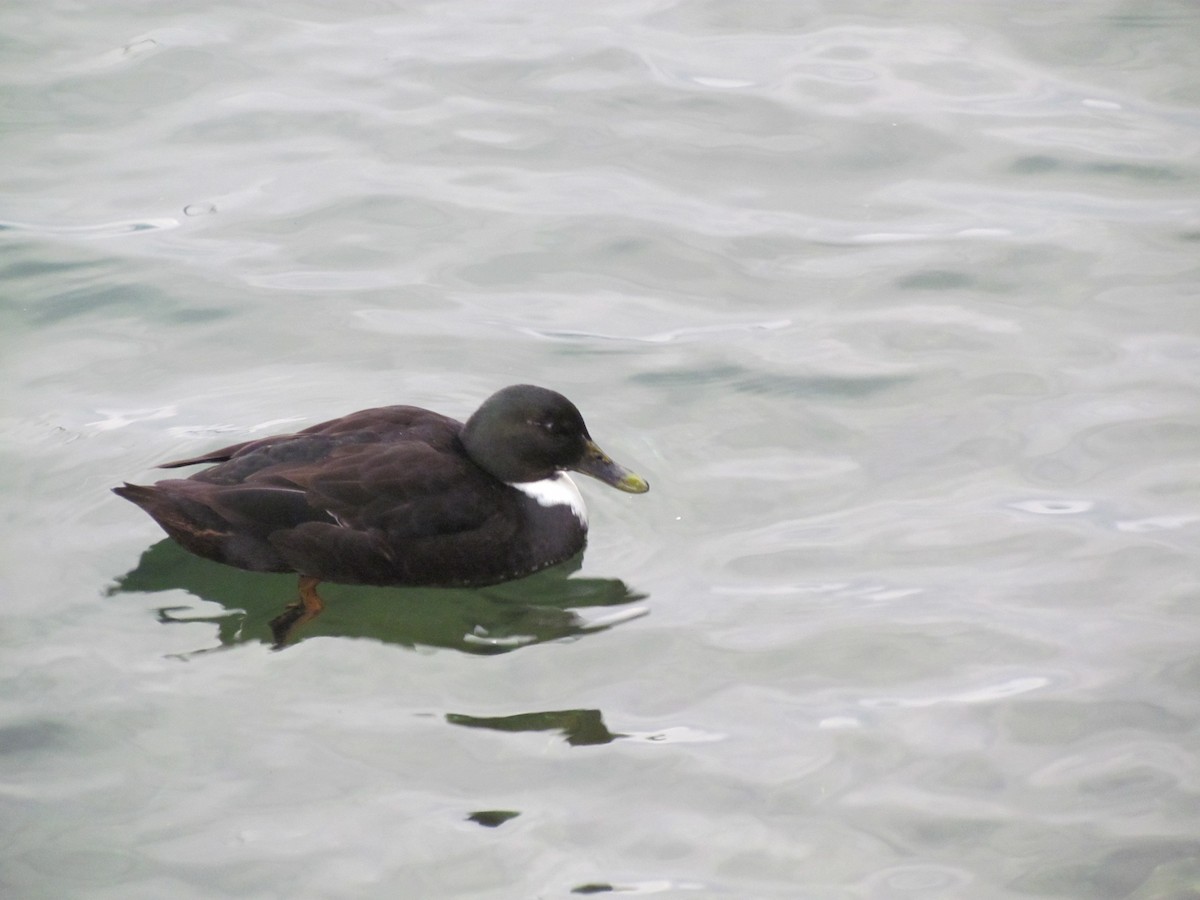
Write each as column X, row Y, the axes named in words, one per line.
column 305, row 609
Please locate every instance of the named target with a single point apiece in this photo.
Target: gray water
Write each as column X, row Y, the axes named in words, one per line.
column 894, row 304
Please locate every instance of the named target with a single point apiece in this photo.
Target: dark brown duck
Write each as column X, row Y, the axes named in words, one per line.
column 396, row 495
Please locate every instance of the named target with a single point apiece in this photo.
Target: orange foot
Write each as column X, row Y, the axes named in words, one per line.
column 307, row 608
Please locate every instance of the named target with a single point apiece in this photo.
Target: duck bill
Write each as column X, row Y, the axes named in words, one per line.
column 600, row 466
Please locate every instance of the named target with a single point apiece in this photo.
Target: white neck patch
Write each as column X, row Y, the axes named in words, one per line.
column 557, row 490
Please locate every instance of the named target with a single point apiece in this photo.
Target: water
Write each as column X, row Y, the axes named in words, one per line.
column 893, row 304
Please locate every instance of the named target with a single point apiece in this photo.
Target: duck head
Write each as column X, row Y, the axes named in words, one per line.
column 527, row 433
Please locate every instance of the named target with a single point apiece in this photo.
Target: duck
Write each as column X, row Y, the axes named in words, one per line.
column 393, row 496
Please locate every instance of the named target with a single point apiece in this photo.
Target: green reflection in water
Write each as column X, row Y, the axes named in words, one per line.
column 481, row 621
column 581, row 727
column 492, row 818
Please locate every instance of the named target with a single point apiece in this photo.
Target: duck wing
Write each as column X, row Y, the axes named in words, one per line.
column 408, row 489
column 376, row 425
column 401, row 513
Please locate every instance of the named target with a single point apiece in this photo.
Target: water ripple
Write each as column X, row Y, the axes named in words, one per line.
column 100, row 230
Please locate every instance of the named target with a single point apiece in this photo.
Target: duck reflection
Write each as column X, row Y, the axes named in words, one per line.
column 579, row 727
column 481, row 620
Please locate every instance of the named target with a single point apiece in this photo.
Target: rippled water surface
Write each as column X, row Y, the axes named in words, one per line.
column 894, row 304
